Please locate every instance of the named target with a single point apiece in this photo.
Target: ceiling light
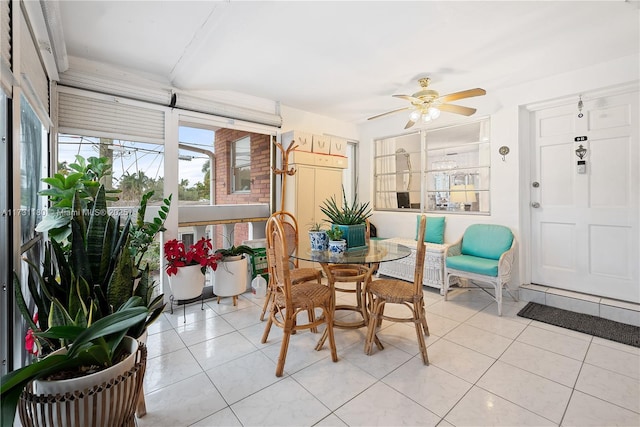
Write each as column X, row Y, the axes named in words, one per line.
column 415, row 115
column 434, row 112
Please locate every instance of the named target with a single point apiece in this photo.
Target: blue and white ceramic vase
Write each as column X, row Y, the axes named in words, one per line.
column 319, row 240
column 337, row 247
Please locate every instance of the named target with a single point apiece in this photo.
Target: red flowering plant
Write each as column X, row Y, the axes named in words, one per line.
column 200, row 253
column 31, row 344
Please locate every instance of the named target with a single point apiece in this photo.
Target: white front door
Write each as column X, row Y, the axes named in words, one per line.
column 585, row 224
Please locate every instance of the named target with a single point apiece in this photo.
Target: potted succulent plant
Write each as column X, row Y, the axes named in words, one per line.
column 351, row 218
column 318, row 237
column 337, row 245
column 230, row 280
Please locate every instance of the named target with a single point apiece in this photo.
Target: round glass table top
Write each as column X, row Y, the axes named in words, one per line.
column 375, row 251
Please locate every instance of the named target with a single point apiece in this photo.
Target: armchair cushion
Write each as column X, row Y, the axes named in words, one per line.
column 486, row 241
column 473, row 264
column 435, row 229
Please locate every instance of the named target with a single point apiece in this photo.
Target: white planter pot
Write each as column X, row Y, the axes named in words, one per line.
column 101, row 402
column 64, row 386
column 187, row 283
column 337, row 247
column 230, row 278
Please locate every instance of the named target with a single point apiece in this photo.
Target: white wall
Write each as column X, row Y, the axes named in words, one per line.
column 294, row 119
column 509, row 126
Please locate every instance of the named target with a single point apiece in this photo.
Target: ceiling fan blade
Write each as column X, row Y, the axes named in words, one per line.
column 389, row 112
column 457, row 109
column 461, row 95
column 409, row 124
column 410, row 98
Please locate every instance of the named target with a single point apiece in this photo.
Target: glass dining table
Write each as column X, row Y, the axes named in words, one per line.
column 362, row 261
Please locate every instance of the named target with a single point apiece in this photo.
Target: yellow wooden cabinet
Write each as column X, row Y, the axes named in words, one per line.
column 317, row 178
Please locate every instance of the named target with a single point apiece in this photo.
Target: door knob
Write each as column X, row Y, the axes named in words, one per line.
column 535, row 205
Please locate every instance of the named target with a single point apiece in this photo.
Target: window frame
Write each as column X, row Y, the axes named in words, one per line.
column 422, row 197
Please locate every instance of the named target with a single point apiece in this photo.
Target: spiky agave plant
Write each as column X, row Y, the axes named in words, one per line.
column 347, row 214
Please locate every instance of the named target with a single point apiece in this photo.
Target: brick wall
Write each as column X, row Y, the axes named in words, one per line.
column 259, row 176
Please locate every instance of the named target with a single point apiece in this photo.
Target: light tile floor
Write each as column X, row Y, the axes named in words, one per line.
column 212, row 370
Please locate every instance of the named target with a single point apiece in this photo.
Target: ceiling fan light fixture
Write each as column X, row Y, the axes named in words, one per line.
column 425, row 103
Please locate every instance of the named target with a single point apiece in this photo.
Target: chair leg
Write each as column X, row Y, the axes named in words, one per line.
column 312, row 318
column 425, row 326
column 267, row 328
column 445, row 285
column 288, row 327
column 373, row 325
column 498, row 287
column 267, row 301
column 418, row 320
column 332, row 342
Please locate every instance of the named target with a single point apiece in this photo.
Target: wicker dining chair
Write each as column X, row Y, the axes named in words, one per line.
column 383, row 291
column 290, row 300
column 298, row 275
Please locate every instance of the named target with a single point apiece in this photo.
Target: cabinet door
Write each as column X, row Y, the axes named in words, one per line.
column 305, row 199
column 328, row 183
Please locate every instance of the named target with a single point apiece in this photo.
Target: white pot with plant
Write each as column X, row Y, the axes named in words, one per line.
column 231, row 276
column 186, row 268
column 337, row 245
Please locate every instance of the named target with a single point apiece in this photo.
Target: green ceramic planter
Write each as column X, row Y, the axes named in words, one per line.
column 354, row 234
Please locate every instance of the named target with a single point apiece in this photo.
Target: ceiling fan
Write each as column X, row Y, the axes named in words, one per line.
column 427, row 103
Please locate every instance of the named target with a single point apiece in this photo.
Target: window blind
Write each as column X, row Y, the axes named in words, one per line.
column 109, row 117
column 31, row 66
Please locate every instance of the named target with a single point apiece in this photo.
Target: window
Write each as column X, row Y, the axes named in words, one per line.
column 398, row 162
column 445, row 169
column 458, row 168
column 33, row 167
column 241, row 165
column 137, row 167
column 196, row 162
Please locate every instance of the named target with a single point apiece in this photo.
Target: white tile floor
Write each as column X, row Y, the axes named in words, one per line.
column 485, row 370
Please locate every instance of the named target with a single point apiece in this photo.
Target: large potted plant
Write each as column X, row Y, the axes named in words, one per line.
column 86, row 239
column 94, row 352
column 351, row 218
column 186, row 268
column 230, row 279
column 88, row 270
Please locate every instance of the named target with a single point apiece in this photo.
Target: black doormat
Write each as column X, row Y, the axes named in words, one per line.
column 586, row 323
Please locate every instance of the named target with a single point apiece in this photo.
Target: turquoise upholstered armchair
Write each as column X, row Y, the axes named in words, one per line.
column 485, row 253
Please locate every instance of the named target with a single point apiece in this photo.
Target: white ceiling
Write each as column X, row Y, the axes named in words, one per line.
column 346, row 59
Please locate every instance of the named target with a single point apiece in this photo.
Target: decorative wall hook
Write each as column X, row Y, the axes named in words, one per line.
column 581, row 151
column 504, row 150
column 580, row 105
